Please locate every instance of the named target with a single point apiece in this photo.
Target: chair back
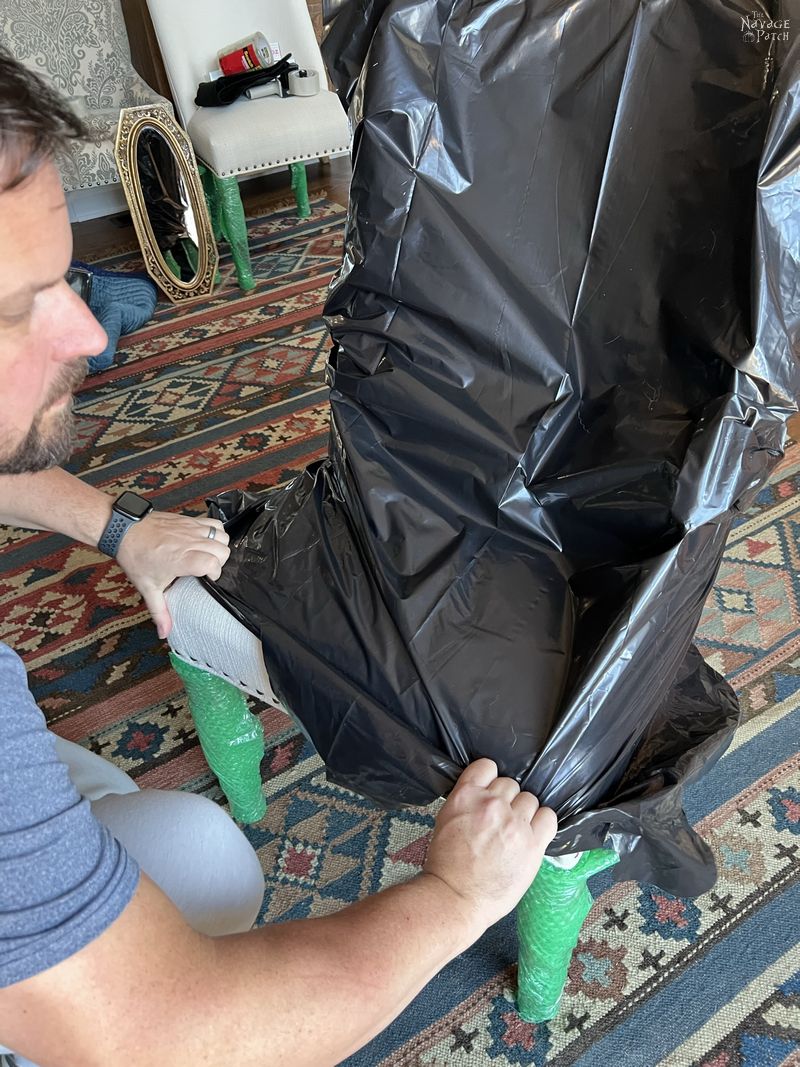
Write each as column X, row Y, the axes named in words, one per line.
column 190, row 36
column 83, row 52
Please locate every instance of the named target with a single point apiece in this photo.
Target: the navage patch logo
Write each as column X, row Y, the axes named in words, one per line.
column 758, row 27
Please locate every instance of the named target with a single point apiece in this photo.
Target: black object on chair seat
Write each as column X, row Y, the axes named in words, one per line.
column 225, row 90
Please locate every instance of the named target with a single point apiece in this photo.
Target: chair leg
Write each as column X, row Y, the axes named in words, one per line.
column 214, row 209
column 231, row 737
column 300, row 188
column 190, row 252
column 212, row 201
column 172, row 263
column 549, row 921
column 234, row 228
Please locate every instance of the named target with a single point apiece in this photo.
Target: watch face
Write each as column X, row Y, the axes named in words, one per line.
column 135, row 507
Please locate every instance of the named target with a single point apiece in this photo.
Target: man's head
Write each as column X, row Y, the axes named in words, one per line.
column 46, row 331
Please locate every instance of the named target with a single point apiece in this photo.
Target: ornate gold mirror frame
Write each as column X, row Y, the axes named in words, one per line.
column 198, row 246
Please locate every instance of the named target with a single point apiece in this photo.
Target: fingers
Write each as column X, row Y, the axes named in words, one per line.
column 504, row 788
column 157, row 606
column 164, row 547
column 481, row 773
column 211, row 552
column 205, row 563
column 543, row 821
column 204, row 526
column 544, row 826
column 526, row 805
column 212, row 548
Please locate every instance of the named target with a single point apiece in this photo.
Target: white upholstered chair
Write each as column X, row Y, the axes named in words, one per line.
column 248, row 136
column 82, row 50
column 219, row 660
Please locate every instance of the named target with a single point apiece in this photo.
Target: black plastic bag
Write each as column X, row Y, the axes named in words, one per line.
column 563, row 361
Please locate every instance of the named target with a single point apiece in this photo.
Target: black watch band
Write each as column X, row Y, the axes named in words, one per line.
column 127, row 509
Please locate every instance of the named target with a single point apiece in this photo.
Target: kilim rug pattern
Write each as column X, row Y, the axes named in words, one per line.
column 230, row 392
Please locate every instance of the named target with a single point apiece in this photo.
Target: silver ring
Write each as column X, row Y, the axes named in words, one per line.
column 212, row 533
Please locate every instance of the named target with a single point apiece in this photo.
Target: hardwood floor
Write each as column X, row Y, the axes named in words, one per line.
column 105, row 236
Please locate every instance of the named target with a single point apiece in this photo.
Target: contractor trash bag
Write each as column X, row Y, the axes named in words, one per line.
column 564, row 339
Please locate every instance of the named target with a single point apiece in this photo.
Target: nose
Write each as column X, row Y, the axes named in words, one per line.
column 78, row 333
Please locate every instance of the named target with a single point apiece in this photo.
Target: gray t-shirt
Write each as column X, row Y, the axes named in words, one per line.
column 63, row 877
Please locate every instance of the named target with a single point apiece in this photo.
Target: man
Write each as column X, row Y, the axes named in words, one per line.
column 97, row 964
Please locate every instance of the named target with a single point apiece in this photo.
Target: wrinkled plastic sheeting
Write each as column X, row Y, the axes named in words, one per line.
column 564, row 335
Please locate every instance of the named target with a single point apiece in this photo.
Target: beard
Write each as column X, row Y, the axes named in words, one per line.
column 51, row 437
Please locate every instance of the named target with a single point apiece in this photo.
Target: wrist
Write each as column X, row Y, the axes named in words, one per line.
column 90, row 518
column 101, row 518
column 127, row 510
column 468, row 922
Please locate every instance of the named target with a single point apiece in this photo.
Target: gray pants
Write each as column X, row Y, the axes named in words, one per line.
column 185, row 843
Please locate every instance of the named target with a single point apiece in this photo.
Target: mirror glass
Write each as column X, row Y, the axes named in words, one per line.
column 167, row 203
column 159, row 175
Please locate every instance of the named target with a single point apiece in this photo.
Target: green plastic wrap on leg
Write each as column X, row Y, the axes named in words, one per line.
column 171, row 262
column 300, row 187
column 190, row 251
column 549, row 921
column 212, row 201
column 231, row 737
column 234, row 228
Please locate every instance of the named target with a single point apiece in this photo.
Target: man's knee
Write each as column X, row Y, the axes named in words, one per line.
column 194, row 851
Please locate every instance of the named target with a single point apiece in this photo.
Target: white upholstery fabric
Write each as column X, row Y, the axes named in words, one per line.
column 288, row 126
column 248, row 135
column 207, row 636
column 82, row 50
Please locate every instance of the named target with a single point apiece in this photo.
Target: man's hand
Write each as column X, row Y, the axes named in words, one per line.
column 163, row 547
column 153, row 553
column 488, row 843
column 150, row 983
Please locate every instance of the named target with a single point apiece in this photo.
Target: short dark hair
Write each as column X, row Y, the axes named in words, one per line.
column 36, row 122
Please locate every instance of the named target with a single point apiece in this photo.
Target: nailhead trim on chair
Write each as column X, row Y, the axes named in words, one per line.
column 279, row 162
column 96, row 185
column 216, row 670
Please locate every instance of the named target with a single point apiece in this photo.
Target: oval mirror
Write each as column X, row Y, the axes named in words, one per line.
column 158, row 173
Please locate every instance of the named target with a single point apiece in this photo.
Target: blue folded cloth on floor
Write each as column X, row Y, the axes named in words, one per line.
column 121, row 302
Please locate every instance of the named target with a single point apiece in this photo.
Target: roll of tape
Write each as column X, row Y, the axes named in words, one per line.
column 303, row 83
column 272, row 88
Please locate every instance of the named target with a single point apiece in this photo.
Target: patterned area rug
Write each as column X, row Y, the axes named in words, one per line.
column 231, row 392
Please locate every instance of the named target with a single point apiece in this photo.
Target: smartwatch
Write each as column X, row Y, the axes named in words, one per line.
column 126, row 510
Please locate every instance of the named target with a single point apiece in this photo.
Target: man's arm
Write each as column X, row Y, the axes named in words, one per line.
column 153, row 553
column 151, row 992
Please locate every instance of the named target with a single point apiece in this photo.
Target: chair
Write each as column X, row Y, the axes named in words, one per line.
column 247, row 137
column 83, row 51
column 219, row 660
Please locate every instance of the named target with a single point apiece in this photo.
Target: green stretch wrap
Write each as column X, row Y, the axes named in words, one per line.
column 190, row 251
column 172, row 263
column 227, row 220
column 300, row 187
column 212, row 201
column 549, row 921
column 231, row 737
